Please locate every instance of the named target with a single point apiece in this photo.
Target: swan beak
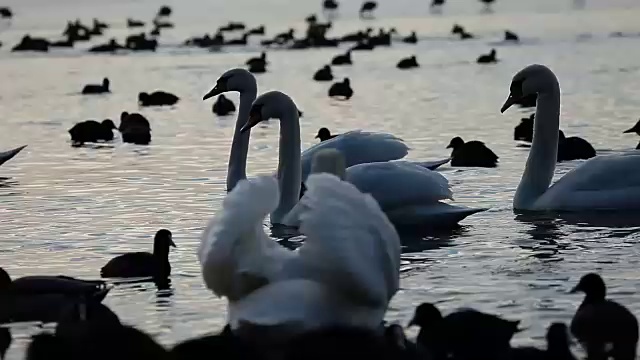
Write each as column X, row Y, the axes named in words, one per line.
column 511, row 100
column 449, row 146
column 254, row 119
column 632, row 130
column 215, row 91
column 171, row 243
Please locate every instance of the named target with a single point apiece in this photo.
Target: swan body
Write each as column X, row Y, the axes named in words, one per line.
column 409, row 193
column 328, row 281
column 358, row 147
column 601, row 183
column 9, row 154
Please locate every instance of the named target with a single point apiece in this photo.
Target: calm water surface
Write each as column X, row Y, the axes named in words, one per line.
column 67, row 211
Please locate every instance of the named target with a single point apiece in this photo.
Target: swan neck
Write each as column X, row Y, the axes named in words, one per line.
column 289, row 166
column 543, row 155
column 237, row 169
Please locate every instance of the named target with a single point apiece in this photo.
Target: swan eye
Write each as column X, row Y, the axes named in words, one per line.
column 256, row 111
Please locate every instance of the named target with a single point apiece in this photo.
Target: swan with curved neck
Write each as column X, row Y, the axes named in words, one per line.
column 277, row 105
column 601, row 183
column 408, row 192
column 244, row 82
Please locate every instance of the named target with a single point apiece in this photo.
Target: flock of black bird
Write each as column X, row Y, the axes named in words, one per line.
column 86, row 328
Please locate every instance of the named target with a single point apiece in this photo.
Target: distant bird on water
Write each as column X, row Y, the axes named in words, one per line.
column 91, row 89
column 223, row 106
column 91, row 131
column 341, row 89
column 323, row 74
column 325, row 134
column 143, row 264
column 157, row 98
column 367, row 8
column 471, row 154
column 6, row 12
column 408, row 63
column 489, row 58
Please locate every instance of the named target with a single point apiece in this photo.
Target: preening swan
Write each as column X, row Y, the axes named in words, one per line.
column 601, row 183
column 408, row 193
column 328, row 281
column 7, row 155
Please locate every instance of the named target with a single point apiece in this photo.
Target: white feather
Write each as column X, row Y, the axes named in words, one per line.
column 358, row 147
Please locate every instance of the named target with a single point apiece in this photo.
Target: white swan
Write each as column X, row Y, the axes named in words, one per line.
column 330, row 280
column 358, row 146
column 601, row 183
column 409, row 193
column 244, row 82
column 7, row 155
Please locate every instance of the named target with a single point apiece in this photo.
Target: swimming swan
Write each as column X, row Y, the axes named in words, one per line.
column 601, row 183
column 408, row 193
column 358, row 146
column 328, row 281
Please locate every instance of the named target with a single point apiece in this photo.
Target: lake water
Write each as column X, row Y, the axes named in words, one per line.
column 68, row 210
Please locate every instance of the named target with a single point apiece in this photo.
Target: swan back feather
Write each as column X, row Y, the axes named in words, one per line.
column 235, row 254
column 351, row 246
column 358, row 147
column 399, row 183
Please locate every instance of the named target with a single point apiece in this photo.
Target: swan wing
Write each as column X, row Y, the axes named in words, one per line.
column 602, row 182
column 351, row 246
column 399, row 183
column 358, row 147
column 235, row 253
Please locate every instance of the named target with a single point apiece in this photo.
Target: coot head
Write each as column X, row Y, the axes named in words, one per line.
column 426, row 314
column 561, row 135
column 105, row 83
column 163, row 240
column 455, row 143
column 143, row 96
column 592, row 285
column 346, row 81
column 5, row 279
column 323, row 133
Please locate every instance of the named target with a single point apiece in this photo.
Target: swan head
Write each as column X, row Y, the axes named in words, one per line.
column 271, row 105
column 237, row 79
column 532, row 80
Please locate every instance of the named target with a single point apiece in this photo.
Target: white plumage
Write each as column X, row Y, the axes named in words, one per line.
column 344, row 274
column 358, row 147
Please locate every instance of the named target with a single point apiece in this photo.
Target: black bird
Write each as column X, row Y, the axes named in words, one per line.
column 599, row 323
column 139, row 42
column 411, row 39
column 471, row 154
column 45, row 298
column 131, row 23
column 223, row 106
column 330, row 5
column 257, row 30
column 524, row 130
column 343, row 59
column 241, row 41
column 341, row 89
column 91, row 131
column 634, row 129
column 408, row 63
column 164, row 11
column 558, row 346
column 6, row 12
column 97, row 88
column 367, row 8
column 466, row 333
column 135, row 128
column 574, row 148
column 325, row 134
column 435, row 3
column 511, row 36
column 323, row 74
column 157, row 98
column 261, row 60
column 489, row 58
column 143, row 264
column 28, row 43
